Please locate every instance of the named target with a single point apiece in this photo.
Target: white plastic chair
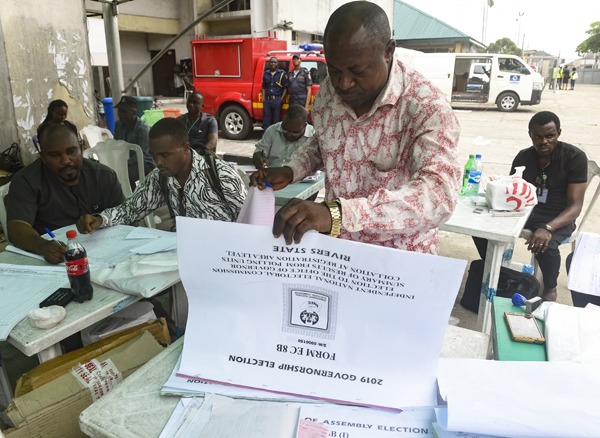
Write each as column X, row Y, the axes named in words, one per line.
column 3, row 193
column 114, row 154
column 92, row 135
column 593, row 173
column 188, row 88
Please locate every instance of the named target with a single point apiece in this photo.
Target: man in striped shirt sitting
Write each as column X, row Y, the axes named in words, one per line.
column 188, row 183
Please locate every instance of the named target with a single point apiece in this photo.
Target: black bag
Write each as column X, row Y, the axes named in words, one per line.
column 10, row 159
column 509, row 283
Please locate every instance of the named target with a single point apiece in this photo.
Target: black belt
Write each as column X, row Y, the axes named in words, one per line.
column 272, row 97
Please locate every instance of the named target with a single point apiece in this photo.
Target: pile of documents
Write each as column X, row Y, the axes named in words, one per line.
column 336, row 338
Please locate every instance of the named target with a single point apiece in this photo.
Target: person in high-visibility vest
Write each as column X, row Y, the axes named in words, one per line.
column 573, row 78
column 560, row 76
column 554, row 78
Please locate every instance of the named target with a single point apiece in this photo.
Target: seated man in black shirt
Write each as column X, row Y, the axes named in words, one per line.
column 202, row 129
column 53, row 191
column 559, row 171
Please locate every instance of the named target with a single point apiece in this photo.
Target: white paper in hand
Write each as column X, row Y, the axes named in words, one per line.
column 258, row 208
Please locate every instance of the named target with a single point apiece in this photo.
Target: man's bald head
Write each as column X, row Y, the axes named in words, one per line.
column 56, row 133
column 352, row 16
column 61, row 153
column 359, row 53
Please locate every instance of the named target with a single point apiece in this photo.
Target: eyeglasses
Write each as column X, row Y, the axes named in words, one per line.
column 294, row 133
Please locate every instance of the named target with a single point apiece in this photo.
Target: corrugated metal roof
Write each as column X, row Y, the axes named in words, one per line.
column 411, row 23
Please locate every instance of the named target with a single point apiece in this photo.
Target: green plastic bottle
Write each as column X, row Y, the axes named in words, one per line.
column 465, row 182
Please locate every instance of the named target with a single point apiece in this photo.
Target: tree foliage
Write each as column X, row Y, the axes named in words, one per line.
column 504, row 45
column 592, row 43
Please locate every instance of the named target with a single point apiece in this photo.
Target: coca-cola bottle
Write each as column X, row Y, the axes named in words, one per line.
column 78, row 269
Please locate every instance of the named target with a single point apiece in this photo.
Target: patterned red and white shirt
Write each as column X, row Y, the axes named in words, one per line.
column 394, row 169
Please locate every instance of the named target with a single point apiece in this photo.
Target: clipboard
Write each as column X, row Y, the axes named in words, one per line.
column 523, row 328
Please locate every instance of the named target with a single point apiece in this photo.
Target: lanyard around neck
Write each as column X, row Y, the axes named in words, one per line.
column 190, row 128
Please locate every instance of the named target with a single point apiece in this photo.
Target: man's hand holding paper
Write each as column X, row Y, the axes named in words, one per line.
column 297, row 217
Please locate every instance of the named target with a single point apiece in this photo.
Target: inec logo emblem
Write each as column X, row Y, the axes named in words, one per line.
column 309, row 309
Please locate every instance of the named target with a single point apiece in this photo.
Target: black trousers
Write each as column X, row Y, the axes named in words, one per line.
column 549, row 260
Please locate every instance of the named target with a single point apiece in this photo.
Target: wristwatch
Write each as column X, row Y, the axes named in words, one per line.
column 335, row 210
column 548, row 228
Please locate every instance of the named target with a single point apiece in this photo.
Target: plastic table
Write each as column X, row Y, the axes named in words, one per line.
column 302, row 190
column 45, row 343
column 501, row 232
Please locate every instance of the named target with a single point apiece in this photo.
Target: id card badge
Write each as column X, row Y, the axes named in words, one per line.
column 542, row 194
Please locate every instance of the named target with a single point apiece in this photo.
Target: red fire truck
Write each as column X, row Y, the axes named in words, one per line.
column 228, row 73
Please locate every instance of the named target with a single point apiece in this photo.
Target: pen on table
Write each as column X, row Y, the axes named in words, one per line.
column 51, row 234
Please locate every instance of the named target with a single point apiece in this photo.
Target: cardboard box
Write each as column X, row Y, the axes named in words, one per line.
column 131, row 316
column 60, row 365
column 52, row 410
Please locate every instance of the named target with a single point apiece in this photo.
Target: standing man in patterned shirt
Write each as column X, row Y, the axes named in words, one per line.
column 299, row 84
column 386, row 138
column 274, row 85
column 181, row 180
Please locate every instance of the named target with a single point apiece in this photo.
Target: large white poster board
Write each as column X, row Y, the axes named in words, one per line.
column 327, row 318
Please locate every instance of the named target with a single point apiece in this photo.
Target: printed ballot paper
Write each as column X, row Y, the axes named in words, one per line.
column 327, row 318
column 347, row 421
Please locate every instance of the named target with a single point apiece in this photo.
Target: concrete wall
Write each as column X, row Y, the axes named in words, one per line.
column 149, row 25
column 135, row 55
column 310, row 16
column 145, row 8
column 8, row 125
column 588, row 76
column 47, row 58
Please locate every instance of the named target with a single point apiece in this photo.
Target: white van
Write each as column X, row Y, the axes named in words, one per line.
column 478, row 79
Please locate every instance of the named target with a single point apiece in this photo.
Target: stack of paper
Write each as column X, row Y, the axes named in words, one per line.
column 308, row 319
column 23, row 288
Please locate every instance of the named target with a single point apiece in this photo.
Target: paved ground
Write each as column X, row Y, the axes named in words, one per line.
column 507, row 133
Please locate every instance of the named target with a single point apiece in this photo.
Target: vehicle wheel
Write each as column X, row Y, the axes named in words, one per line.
column 235, row 122
column 507, row 102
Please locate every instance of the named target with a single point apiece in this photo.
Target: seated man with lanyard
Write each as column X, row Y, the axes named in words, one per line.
column 55, row 190
column 559, row 171
column 280, row 140
column 132, row 129
column 201, row 127
column 190, row 184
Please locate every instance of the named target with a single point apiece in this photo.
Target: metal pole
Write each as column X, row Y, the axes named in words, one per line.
column 519, row 33
column 483, row 22
column 113, row 48
column 179, row 35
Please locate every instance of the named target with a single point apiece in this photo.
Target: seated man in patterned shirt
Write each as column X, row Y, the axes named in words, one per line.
column 386, row 138
column 181, row 180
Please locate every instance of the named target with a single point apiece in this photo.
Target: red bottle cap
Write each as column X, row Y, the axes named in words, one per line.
column 71, row 234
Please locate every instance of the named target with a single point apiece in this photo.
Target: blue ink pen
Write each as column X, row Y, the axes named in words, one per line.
column 51, row 234
column 266, row 184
